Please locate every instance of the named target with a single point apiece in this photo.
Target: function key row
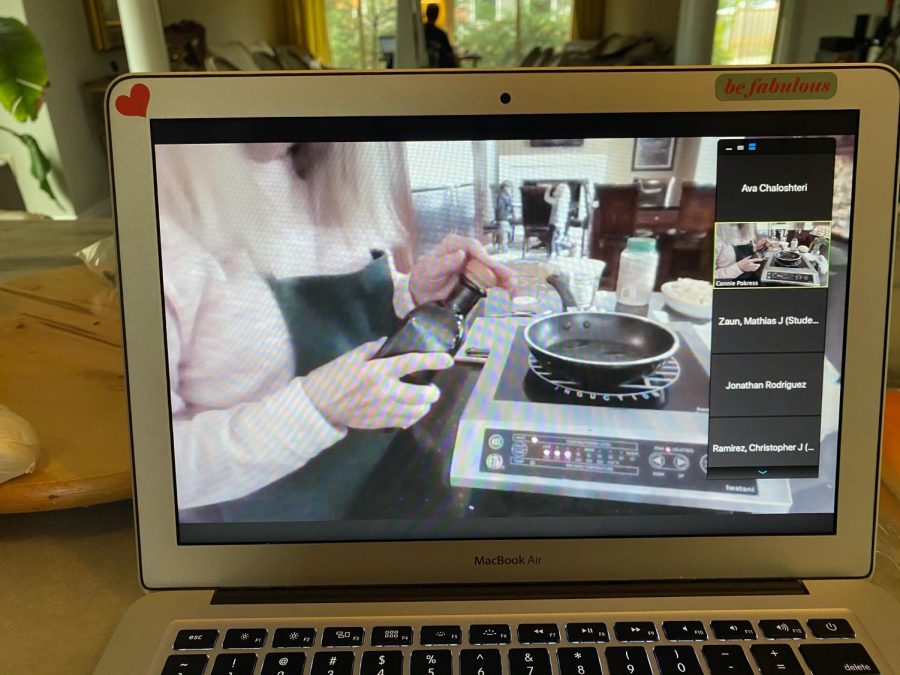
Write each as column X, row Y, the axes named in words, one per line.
column 526, row 634
column 771, row 659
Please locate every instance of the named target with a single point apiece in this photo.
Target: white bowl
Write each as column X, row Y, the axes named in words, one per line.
column 682, row 305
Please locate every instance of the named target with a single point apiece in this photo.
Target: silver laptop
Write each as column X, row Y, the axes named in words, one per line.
column 569, row 372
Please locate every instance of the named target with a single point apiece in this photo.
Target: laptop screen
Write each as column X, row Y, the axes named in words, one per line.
column 554, row 326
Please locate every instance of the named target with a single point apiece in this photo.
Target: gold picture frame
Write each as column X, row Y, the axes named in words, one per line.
column 106, row 28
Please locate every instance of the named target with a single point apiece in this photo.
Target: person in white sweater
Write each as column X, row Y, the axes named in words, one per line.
column 282, row 266
column 736, row 246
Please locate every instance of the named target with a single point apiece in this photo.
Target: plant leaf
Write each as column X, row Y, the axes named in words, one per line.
column 40, row 165
column 23, row 72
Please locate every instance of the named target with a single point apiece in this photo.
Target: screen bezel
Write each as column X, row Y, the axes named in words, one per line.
column 164, row 564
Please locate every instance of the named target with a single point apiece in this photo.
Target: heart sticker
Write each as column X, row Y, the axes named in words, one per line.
column 135, row 104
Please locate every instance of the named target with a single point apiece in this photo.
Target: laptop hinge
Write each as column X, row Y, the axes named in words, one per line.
column 535, row 591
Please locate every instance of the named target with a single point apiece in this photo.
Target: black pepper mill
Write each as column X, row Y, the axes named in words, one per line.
column 440, row 325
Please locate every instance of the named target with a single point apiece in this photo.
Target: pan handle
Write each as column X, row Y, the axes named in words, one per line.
column 560, row 283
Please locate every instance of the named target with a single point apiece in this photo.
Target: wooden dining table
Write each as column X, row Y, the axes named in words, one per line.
column 62, row 370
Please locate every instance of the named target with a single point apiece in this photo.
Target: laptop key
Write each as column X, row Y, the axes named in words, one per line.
column 440, row 635
column 489, row 634
column 636, row 631
column 185, row 664
column 627, row 661
column 245, row 638
column 332, row 663
column 291, row 638
column 382, row 663
column 587, row 632
column 838, row 658
column 776, row 660
column 782, row 629
column 343, row 637
column 195, row 639
column 538, row 633
column 283, row 663
column 726, row 660
column 831, row 628
column 733, row 630
column 578, row 661
column 680, row 660
column 234, row 664
column 533, row 661
column 684, row 631
column 392, row 636
column 431, row 662
column 480, row 662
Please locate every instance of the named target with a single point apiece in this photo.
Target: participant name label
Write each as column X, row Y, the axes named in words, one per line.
column 768, row 384
column 775, row 187
column 768, row 321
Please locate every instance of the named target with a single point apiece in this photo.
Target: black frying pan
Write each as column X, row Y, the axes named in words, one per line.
column 599, row 350
column 788, row 258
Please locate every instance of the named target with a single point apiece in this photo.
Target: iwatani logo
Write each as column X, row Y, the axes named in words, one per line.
column 520, row 559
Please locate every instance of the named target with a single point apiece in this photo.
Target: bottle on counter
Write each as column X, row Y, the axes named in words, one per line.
column 440, row 326
column 637, row 271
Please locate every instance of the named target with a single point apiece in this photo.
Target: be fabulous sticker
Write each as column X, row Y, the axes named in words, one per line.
column 775, row 86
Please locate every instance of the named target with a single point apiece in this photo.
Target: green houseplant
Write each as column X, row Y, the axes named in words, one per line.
column 23, row 78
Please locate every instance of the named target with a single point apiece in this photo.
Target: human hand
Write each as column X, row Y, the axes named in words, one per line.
column 748, row 264
column 352, row 391
column 764, row 243
column 436, row 273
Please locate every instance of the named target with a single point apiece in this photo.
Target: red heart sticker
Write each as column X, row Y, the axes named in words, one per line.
column 135, row 104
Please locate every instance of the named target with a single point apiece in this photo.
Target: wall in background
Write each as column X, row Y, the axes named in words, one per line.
column 229, row 20
column 808, row 20
column 63, row 128
column 602, row 160
column 632, row 17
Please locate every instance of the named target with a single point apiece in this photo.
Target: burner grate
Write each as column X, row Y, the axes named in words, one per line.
column 647, row 388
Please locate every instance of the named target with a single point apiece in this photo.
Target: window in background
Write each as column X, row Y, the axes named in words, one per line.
column 355, row 29
column 502, row 32
column 745, row 32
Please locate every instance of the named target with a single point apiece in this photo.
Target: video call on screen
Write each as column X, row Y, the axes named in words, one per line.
column 295, row 248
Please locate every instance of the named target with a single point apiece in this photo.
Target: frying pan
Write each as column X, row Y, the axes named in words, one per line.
column 599, row 350
column 788, row 257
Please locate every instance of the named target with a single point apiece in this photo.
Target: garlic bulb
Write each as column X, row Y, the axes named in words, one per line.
column 19, row 445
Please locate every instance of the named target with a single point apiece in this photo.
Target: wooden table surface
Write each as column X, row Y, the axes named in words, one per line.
column 61, row 368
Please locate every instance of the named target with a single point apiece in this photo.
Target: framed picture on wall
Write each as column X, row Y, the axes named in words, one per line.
column 653, row 154
column 103, row 20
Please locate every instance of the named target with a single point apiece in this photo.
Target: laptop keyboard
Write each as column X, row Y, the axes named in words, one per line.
column 768, row 646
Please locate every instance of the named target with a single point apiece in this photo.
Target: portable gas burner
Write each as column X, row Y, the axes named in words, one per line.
column 795, row 272
column 526, row 429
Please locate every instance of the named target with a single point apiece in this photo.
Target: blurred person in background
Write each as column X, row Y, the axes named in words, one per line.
column 437, row 44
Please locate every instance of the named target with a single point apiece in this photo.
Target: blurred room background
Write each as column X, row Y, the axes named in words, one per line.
column 54, row 185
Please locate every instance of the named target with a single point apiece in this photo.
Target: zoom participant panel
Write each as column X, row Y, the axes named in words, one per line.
column 772, row 248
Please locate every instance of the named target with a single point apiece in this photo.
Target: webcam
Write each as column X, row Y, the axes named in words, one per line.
column 505, row 98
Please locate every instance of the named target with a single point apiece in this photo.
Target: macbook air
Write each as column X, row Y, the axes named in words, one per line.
column 527, row 372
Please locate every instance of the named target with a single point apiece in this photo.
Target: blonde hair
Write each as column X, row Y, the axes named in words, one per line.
column 360, row 187
column 214, row 193
column 736, row 233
